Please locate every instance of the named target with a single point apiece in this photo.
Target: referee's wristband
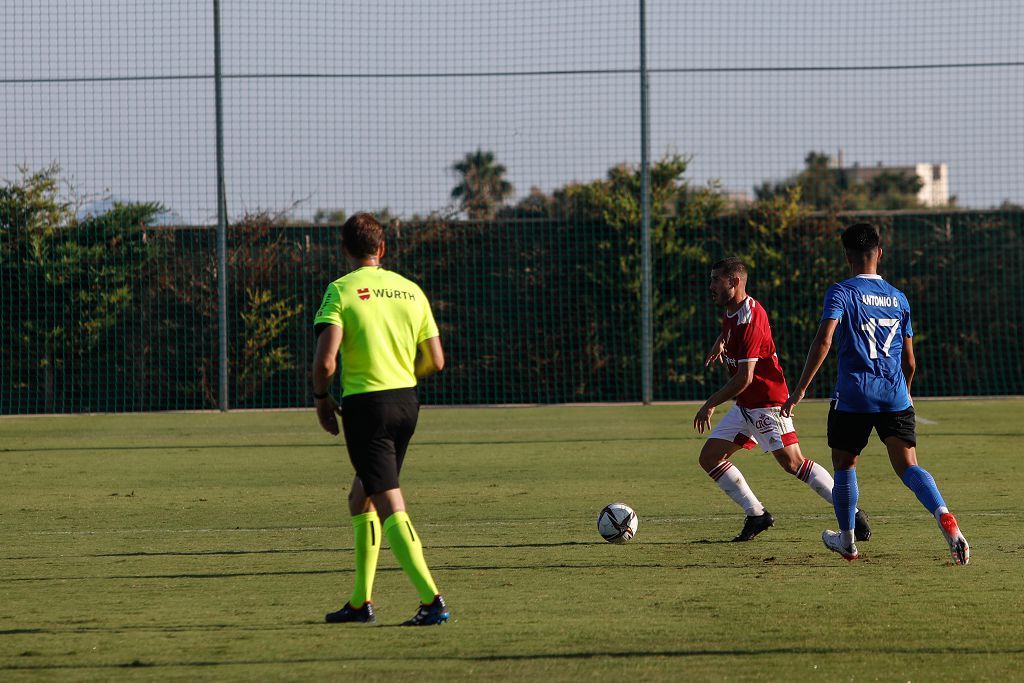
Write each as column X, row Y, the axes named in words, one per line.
column 321, row 396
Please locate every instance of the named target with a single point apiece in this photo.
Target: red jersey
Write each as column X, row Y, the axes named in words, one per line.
column 748, row 336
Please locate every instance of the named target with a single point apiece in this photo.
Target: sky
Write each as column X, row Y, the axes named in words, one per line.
column 362, row 106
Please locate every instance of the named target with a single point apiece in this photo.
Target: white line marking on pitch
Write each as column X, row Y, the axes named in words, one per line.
column 926, row 421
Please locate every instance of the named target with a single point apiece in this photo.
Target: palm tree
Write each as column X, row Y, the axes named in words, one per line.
column 483, row 187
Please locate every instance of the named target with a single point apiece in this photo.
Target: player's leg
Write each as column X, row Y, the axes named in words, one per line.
column 408, row 550
column 714, row 459
column 776, row 434
column 730, row 435
column 791, row 459
column 405, row 542
column 366, row 533
column 897, row 431
column 847, row 435
column 845, row 494
column 726, row 439
column 400, row 415
column 357, row 424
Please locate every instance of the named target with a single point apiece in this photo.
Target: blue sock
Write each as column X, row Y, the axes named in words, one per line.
column 844, row 497
column 921, row 483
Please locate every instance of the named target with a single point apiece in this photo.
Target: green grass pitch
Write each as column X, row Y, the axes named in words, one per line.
column 209, row 546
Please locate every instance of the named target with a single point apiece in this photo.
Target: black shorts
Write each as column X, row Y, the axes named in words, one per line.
column 850, row 431
column 378, row 426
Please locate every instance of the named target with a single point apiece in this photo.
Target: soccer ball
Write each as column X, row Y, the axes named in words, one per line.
column 617, row 523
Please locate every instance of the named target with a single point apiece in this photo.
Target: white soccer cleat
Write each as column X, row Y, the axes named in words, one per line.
column 958, row 547
column 833, row 540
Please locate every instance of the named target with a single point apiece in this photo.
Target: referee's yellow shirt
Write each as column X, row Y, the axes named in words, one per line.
column 383, row 317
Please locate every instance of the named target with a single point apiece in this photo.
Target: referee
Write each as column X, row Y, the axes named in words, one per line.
column 382, row 324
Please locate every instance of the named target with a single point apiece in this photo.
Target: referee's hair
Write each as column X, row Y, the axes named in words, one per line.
column 861, row 239
column 731, row 266
column 361, row 235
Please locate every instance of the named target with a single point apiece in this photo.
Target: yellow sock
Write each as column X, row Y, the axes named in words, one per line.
column 366, row 528
column 405, row 544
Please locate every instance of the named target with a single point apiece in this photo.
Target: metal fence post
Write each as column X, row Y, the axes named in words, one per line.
column 646, row 331
column 222, row 223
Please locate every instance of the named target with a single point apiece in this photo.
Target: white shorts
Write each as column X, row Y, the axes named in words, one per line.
column 765, row 426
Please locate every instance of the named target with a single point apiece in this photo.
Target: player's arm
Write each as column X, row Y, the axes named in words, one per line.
column 907, row 361
column 429, row 357
column 717, row 352
column 733, row 388
column 325, row 365
column 815, row 357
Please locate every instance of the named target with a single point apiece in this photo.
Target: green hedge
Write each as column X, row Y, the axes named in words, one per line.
column 111, row 315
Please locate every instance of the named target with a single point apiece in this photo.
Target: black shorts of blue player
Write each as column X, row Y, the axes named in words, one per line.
column 850, row 431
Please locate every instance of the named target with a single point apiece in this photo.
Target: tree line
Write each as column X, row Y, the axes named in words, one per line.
column 538, row 301
column 482, row 191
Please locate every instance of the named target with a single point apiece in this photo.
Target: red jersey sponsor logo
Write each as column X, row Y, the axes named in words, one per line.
column 363, row 293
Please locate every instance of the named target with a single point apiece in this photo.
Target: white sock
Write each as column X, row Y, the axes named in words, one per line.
column 817, row 477
column 939, row 511
column 847, row 537
column 730, row 479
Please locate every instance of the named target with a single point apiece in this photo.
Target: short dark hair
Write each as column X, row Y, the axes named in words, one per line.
column 730, row 266
column 861, row 238
column 362, row 235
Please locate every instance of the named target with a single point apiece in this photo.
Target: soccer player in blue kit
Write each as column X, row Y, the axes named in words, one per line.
column 876, row 368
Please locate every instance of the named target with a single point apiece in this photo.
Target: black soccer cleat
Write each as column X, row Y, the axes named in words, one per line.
column 861, row 528
column 350, row 615
column 753, row 525
column 429, row 615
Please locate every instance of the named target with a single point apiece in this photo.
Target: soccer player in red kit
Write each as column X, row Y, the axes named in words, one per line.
column 759, row 387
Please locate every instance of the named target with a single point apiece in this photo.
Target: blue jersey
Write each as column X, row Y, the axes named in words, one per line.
column 874, row 318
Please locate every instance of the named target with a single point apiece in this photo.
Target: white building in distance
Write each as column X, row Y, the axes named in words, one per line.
column 934, row 178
